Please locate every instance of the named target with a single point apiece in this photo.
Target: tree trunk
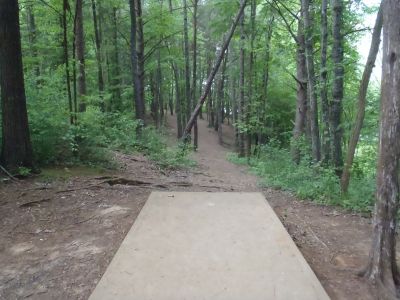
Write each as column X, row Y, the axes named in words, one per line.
column 115, row 104
column 187, row 63
column 16, row 149
column 32, row 39
column 72, row 116
column 100, row 79
column 301, row 97
column 80, row 55
column 139, row 113
column 140, row 57
column 362, row 95
column 241, row 110
column 337, row 90
column 194, row 76
column 312, row 93
column 214, row 71
column 382, row 268
column 326, row 145
column 220, row 98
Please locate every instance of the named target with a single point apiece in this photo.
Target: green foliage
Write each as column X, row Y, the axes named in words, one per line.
column 308, row 181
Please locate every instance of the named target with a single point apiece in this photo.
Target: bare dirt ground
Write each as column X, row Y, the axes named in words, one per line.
column 59, row 234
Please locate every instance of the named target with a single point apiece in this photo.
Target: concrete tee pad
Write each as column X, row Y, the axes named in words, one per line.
column 211, row 246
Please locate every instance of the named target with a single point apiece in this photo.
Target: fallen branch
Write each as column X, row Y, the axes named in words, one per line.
column 8, row 173
column 35, row 202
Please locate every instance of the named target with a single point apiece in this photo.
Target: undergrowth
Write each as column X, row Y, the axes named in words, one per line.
column 308, row 181
column 91, row 140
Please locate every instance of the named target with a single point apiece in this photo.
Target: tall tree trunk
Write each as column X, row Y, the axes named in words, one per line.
column 214, row 71
column 362, row 97
column 140, row 57
column 337, row 90
column 80, row 55
column 241, row 107
column 187, row 63
column 301, row 97
column 16, row 149
column 115, row 104
column 72, row 116
column 382, row 267
column 326, row 145
column 220, row 99
column 139, row 113
column 100, row 79
column 312, row 93
column 194, row 76
column 32, row 39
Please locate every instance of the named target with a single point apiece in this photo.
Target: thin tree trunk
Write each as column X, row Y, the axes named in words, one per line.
column 241, row 109
column 220, row 99
column 382, row 268
column 135, row 72
column 337, row 90
column 140, row 57
column 32, row 39
column 187, row 63
column 362, row 98
column 312, row 94
column 194, row 76
column 66, row 61
column 80, row 55
column 326, row 145
column 16, row 149
column 100, row 79
column 115, row 104
column 214, row 71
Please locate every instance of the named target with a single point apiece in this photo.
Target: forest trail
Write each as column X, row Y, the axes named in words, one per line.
column 60, row 232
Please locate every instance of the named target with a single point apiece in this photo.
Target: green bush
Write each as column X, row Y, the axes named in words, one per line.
column 308, row 181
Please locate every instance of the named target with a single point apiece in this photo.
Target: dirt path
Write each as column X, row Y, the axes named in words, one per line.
column 58, row 235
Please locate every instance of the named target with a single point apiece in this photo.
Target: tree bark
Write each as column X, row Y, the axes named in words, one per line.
column 362, row 98
column 115, row 104
column 337, row 89
column 16, row 149
column 194, row 76
column 100, row 78
column 382, row 268
column 241, row 108
column 140, row 57
column 80, row 55
column 139, row 113
column 312, row 93
column 32, row 39
column 72, row 116
column 187, row 63
column 326, row 144
column 214, row 71
column 301, row 96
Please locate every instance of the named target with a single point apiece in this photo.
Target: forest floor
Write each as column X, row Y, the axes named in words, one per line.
column 60, row 230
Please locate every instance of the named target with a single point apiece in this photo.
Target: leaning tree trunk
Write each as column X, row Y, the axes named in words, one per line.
column 80, row 55
column 312, row 93
column 16, row 149
column 214, row 71
column 362, row 97
column 337, row 90
column 382, row 267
